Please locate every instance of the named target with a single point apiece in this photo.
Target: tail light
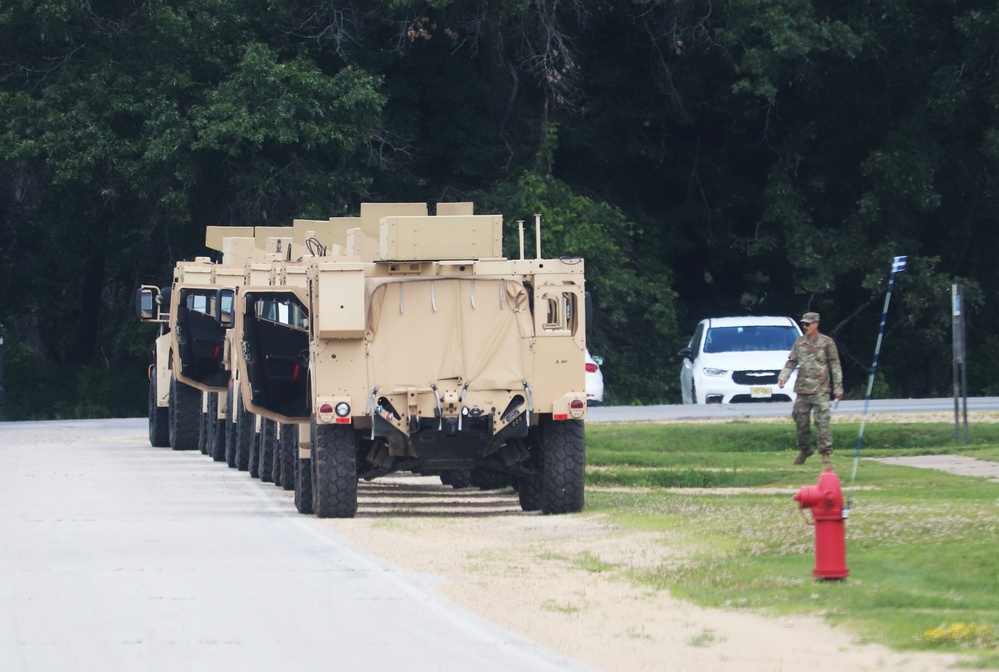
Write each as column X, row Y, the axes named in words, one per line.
column 591, row 367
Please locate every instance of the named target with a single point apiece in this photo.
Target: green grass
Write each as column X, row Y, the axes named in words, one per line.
column 922, row 545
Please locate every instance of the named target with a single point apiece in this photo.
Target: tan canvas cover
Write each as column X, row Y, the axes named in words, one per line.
column 424, row 330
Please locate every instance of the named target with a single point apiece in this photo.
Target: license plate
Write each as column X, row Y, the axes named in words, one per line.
column 760, row 392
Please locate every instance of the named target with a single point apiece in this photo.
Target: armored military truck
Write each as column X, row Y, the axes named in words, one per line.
column 188, row 334
column 191, row 366
column 422, row 348
column 152, row 305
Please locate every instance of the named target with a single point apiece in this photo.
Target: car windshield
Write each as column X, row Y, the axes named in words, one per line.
column 750, row 339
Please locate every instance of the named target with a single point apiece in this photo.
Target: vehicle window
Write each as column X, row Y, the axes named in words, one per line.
column 749, row 339
column 695, row 342
column 560, row 316
column 226, row 304
column 281, row 311
column 197, row 303
column 554, row 317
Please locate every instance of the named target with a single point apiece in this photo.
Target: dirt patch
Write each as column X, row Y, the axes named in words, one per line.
column 562, row 581
column 952, row 464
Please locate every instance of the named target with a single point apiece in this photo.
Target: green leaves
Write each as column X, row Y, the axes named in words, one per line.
column 634, row 302
column 287, row 103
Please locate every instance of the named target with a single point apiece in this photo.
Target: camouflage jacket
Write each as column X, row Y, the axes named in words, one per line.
column 818, row 366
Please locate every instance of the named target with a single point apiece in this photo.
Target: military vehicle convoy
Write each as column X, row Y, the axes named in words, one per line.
column 403, row 341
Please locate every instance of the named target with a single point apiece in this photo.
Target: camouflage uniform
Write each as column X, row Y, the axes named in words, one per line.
column 819, row 377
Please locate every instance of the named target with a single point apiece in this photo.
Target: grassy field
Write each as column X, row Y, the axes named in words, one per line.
column 922, row 545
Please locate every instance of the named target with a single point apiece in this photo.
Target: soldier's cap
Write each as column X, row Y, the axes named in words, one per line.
column 808, row 318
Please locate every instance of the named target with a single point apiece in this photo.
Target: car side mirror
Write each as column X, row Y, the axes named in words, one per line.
column 686, row 353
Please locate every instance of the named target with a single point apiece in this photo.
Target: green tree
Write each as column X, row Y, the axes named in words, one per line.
column 127, row 129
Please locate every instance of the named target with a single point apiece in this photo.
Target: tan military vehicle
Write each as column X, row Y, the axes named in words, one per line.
column 185, row 316
column 421, row 348
column 191, row 368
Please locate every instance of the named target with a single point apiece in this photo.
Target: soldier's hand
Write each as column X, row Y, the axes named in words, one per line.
column 780, row 384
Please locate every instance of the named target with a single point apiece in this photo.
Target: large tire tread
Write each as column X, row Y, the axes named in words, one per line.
column 265, row 453
column 216, row 429
column 564, row 450
column 288, row 455
column 159, row 417
column 529, row 490
column 230, row 432
column 303, row 484
column 253, row 463
column 487, row 479
column 203, row 427
column 334, row 468
column 246, row 432
column 185, row 415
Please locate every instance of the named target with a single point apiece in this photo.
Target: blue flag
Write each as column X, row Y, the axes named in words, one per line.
column 898, row 264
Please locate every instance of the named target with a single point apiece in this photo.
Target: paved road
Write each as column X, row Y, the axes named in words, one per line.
column 773, row 410
column 118, row 556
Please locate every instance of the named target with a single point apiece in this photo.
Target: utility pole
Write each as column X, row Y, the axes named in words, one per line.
column 960, row 368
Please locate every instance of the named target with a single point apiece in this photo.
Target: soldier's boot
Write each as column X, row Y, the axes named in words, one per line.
column 826, row 458
column 803, row 455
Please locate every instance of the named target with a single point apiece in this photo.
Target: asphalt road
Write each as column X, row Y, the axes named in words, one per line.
column 778, row 409
column 118, row 556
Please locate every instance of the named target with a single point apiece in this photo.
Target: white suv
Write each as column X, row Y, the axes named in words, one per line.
column 594, row 380
column 737, row 359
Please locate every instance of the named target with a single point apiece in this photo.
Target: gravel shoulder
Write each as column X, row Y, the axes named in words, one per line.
column 524, row 571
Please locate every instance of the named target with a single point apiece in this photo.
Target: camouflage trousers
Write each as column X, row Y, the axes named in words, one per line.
column 804, row 404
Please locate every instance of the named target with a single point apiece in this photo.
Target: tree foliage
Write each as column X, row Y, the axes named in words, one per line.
column 754, row 156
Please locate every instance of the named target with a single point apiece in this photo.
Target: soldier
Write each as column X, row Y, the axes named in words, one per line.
column 819, row 373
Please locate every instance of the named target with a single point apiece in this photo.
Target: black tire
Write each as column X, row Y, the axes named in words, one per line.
column 303, row 485
column 529, row 489
column 564, row 451
column 334, row 469
column 276, row 458
column 185, row 415
column 203, row 429
column 216, row 429
column 253, row 464
column 457, row 478
column 230, row 432
column 246, row 433
column 210, row 427
column 159, row 417
column 487, row 479
column 288, row 455
column 265, row 455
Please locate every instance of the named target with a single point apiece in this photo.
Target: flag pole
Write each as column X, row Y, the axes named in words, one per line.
column 897, row 266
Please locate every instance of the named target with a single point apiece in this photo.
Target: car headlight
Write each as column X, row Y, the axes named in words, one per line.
column 714, row 372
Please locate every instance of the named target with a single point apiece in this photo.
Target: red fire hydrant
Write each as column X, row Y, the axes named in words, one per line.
column 826, row 502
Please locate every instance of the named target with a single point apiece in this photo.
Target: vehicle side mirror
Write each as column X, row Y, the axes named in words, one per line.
column 225, row 299
column 686, row 353
column 145, row 303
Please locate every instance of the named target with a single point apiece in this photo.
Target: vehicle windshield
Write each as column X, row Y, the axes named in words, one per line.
column 750, row 339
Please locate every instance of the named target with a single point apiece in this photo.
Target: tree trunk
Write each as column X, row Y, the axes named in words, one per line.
column 89, row 320
column 496, row 71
